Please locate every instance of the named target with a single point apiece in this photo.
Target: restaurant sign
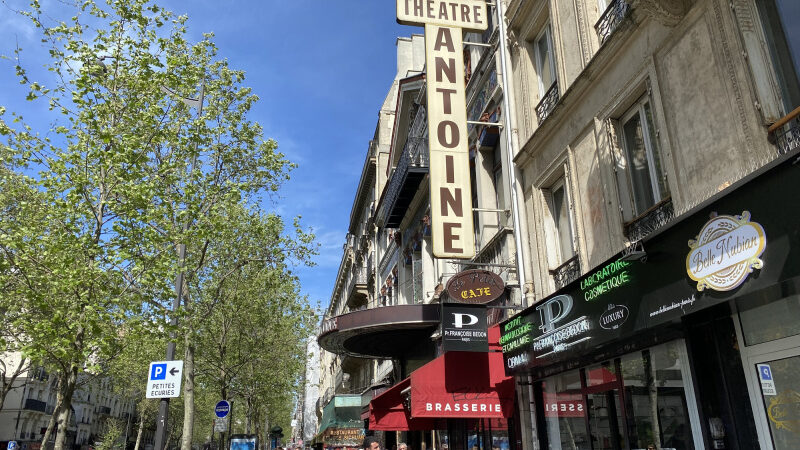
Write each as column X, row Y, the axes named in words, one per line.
column 475, row 286
column 725, row 252
column 451, row 196
column 350, row 437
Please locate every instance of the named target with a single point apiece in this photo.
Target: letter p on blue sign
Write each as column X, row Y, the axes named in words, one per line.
column 158, row 372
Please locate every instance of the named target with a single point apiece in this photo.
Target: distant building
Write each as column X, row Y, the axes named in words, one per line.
column 29, row 406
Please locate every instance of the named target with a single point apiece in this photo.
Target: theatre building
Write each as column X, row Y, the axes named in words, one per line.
column 658, row 146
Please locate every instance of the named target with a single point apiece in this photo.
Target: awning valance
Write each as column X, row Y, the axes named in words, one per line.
column 454, row 385
column 462, row 385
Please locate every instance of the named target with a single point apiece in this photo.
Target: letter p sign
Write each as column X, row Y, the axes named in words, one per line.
column 158, row 372
column 459, row 319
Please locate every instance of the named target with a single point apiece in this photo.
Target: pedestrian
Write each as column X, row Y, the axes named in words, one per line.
column 374, row 445
column 402, row 446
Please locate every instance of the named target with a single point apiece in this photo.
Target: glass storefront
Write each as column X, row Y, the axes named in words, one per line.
column 634, row 401
column 769, row 330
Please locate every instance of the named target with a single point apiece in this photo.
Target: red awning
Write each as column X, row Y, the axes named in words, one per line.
column 462, row 385
column 454, row 385
column 388, row 413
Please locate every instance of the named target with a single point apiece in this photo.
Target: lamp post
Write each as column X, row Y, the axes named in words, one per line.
column 163, row 406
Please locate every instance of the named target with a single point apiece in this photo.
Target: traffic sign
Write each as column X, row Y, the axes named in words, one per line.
column 12, row 445
column 220, row 424
column 164, row 379
column 222, row 409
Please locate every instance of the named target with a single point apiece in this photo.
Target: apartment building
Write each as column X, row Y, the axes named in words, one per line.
column 656, row 142
column 30, row 404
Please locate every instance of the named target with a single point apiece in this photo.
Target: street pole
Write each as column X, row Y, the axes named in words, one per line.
column 163, row 406
column 508, row 92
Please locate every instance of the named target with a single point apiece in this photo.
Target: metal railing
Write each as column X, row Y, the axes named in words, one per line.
column 785, row 133
column 567, row 272
column 548, row 102
column 611, row 18
column 652, row 219
column 415, row 154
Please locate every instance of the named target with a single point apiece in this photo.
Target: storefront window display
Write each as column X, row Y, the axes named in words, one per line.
column 484, row 434
column 634, row 401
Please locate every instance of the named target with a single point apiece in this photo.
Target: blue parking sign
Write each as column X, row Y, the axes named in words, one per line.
column 158, row 372
column 12, row 445
column 764, row 372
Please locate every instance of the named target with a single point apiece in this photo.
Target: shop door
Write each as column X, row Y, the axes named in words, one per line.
column 642, row 399
column 769, row 336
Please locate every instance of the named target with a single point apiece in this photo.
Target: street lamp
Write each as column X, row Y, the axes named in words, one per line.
column 163, row 406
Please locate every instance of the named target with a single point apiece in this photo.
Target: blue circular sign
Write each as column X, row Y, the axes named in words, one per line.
column 222, row 409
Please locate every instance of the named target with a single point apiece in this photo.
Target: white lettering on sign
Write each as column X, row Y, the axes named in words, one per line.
column 463, row 407
column 467, row 14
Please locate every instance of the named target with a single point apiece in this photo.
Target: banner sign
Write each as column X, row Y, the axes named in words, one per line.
column 451, row 196
column 464, row 328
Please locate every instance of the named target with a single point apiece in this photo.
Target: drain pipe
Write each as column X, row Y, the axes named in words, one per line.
column 508, row 130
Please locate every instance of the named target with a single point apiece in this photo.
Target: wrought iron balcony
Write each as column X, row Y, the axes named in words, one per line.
column 611, row 18
column 357, row 289
column 785, row 133
column 652, row 219
column 406, row 177
column 548, row 102
column 35, row 405
column 566, row 273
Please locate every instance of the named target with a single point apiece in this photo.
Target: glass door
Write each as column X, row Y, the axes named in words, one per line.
column 640, row 400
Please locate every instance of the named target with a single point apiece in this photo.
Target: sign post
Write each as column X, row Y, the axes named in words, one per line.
column 164, row 379
column 451, row 195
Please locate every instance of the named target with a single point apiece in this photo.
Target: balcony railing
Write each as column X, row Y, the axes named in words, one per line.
column 611, row 19
column 35, row 405
column 785, row 133
column 414, row 158
column 548, row 102
column 652, row 219
column 566, row 273
column 357, row 287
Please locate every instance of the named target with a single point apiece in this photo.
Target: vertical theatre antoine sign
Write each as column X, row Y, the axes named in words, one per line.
column 451, row 202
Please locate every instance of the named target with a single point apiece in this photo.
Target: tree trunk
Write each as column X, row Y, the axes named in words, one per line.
column 188, row 393
column 56, row 411
column 66, row 403
column 139, row 433
column 249, row 415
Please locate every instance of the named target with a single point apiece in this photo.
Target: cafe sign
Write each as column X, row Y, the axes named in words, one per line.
column 725, row 252
column 475, row 286
column 451, row 197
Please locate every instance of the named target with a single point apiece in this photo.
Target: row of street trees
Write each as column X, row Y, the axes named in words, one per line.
column 94, row 210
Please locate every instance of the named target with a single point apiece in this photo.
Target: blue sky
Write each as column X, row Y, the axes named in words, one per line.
column 321, row 68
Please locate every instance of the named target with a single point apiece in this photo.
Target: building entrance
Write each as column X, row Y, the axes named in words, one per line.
column 641, row 399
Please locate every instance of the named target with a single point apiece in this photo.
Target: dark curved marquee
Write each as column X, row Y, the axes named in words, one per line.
column 384, row 332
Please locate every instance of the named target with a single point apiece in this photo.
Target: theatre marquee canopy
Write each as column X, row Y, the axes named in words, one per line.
column 374, row 333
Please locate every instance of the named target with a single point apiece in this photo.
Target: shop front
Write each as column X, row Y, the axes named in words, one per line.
column 690, row 342
column 341, row 427
column 460, row 400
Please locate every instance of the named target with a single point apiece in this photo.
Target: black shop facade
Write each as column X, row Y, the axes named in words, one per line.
column 689, row 340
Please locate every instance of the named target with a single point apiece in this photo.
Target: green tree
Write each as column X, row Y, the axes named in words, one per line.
column 128, row 177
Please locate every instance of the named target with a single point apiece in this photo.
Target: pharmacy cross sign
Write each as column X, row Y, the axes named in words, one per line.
column 451, row 199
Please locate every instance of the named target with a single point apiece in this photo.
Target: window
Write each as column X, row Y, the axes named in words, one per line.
column 638, row 162
column 562, row 223
column 780, row 20
column 545, row 64
column 497, row 180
